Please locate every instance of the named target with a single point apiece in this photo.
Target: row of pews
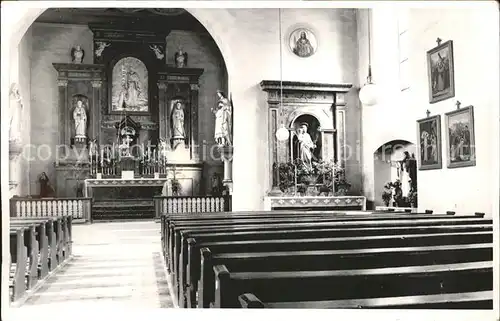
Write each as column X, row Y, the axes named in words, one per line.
column 37, row 247
column 325, row 260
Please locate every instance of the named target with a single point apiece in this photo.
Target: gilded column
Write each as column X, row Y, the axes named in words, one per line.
column 96, row 108
column 63, row 111
column 162, row 87
column 194, row 120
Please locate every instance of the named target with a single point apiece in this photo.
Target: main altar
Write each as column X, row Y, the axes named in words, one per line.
column 129, row 123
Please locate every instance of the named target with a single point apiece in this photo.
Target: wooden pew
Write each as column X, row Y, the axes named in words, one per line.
column 181, row 250
column 333, row 260
column 31, row 242
column 173, row 245
column 170, row 235
column 51, row 231
column 351, row 284
column 19, row 257
column 464, row 300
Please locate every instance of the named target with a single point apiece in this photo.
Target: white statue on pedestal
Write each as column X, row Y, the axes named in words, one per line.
column 306, row 146
column 178, row 120
column 80, row 118
column 222, row 120
column 15, row 108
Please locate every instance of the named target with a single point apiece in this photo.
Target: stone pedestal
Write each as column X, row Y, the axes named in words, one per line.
column 188, row 175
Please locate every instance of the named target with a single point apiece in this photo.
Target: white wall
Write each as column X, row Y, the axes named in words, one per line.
column 474, row 32
column 250, row 43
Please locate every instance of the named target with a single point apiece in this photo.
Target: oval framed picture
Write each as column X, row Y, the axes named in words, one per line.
column 303, row 42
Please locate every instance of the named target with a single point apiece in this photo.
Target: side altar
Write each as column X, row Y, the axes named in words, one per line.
column 307, row 147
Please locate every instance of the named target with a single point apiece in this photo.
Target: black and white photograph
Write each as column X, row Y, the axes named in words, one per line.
column 164, row 157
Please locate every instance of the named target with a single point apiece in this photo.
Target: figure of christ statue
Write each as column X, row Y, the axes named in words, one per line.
column 305, row 146
column 80, row 118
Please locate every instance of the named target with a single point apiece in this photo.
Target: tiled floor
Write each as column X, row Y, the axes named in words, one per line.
column 117, row 264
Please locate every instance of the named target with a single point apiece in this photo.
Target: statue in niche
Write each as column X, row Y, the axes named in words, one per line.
column 222, row 120
column 177, row 119
column 77, row 54
column 126, row 134
column 80, row 119
column 130, row 86
column 305, row 146
column 181, row 58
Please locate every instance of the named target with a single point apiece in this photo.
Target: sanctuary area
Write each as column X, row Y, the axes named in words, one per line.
column 241, row 158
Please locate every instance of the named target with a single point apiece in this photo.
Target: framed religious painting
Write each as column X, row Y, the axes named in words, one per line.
column 302, row 42
column 429, row 143
column 460, row 141
column 129, row 91
column 440, row 72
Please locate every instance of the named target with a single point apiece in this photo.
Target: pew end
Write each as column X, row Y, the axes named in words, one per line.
column 222, row 286
column 248, row 300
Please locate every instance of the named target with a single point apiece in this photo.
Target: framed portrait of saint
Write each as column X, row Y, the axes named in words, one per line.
column 460, row 141
column 129, row 92
column 302, row 42
column 441, row 73
column 429, row 143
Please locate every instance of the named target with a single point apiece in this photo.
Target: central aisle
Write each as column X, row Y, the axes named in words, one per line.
column 113, row 264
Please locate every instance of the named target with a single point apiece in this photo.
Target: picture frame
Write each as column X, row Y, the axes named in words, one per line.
column 302, row 41
column 441, row 74
column 460, row 138
column 429, row 148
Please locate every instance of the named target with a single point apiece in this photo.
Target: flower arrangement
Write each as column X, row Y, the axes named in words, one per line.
column 324, row 177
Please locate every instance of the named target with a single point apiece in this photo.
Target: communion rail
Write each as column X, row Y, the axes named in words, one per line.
column 191, row 204
column 79, row 208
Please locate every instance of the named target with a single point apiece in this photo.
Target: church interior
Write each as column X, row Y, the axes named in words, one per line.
column 251, row 157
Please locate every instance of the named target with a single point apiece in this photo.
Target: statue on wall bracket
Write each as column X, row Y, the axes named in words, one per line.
column 181, row 58
column 223, row 120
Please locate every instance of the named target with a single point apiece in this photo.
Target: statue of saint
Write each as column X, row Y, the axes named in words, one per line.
column 80, row 118
column 222, row 120
column 181, row 58
column 77, row 54
column 305, row 146
column 303, row 47
column 15, row 108
column 131, row 95
column 177, row 118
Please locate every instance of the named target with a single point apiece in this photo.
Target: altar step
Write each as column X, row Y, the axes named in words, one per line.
column 122, row 209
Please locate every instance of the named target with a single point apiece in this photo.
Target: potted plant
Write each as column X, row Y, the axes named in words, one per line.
column 387, row 194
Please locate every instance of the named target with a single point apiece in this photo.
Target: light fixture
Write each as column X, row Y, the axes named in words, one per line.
column 282, row 133
column 368, row 93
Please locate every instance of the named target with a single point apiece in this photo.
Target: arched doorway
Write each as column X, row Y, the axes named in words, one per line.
column 394, row 161
column 205, row 18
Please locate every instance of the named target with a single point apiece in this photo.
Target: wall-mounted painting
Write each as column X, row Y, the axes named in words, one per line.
column 440, row 72
column 429, row 143
column 460, row 142
column 303, row 42
column 129, row 86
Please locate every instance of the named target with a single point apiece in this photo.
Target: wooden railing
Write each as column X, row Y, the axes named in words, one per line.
column 191, row 204
column 79, row 208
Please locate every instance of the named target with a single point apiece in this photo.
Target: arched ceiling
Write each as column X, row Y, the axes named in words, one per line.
column 142, row 18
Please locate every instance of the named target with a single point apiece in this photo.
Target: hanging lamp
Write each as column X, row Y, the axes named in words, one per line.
column 368, row 93
column 282, row 133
